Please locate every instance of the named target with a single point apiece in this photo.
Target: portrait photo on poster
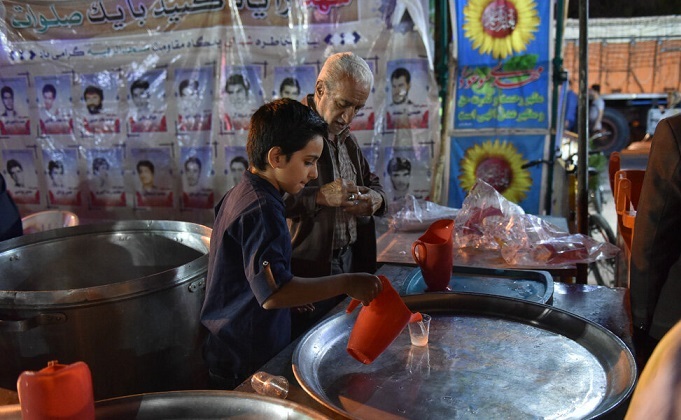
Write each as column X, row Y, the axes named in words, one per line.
column 14, row 115
column 241, row 96
column 153, row 176
column 294, row 82
column 407, row 89
column 236, row 162
column 105, row 177
column 197, row 178
column 101, row 105
column 21, row 176
column 407, row 171
column 147, row 101
column 55, row 105
column 63, row 178
column 194, row 98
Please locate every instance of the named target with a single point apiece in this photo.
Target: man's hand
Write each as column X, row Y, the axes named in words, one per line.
column 338, row 193
column 366, row 203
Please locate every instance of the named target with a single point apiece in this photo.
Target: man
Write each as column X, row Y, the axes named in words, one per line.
column 139, row 91
column 49, row 96
column 94, row 98
column 145, row 172
column 655, row 266
column 400, row 83
column 331, row 219
column 55, row 169
column 100, row 170
column 238, row 88
column 237, row 166
column 192, row 171
column 16, row 172
column 596, row 109
column 399, row 170
column 8, row 101
column 289, row 88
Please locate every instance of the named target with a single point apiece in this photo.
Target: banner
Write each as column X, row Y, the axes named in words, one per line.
column 146, row 104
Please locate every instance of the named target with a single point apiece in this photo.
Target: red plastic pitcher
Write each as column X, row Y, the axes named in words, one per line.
column 57, row 392
column 434, row 253
column 378, row 324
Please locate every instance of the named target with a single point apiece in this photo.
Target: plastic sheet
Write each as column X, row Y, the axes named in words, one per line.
column 489, row 221
column 416, row 215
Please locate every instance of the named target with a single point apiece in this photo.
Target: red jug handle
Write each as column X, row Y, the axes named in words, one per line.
column 351, row 307
column 422, row 251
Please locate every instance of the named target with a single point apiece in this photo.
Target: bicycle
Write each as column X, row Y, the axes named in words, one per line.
column 603, row 271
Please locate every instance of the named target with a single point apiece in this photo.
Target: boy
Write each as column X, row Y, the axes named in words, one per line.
column 250, row 287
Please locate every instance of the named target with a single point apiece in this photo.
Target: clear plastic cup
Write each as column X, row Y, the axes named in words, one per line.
column 418, row 331
column 269, row 385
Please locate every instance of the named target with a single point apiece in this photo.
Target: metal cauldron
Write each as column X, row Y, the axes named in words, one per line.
column 123, row 297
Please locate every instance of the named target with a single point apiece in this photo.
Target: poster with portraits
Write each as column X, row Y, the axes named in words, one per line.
column 407, row 94
column 154, row 180
column 406, row 171
column 14, row 115
column 194, row 97
column 236, row 162
column 61, row 170
column 105, row 177
column 241, row 96
column 100, row 108
column 147, row 107
column 55, row 104
column 197, row 178
column 294, row 82
column 21, row 176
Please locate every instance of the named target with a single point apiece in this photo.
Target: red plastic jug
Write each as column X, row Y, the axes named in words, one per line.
column 57, row 392
column 434, row 253
column 378, row 324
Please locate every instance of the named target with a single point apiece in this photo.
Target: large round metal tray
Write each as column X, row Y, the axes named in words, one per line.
column 488, row 357
column 191, row 405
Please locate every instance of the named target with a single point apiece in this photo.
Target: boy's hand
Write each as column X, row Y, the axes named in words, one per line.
column 338, row 193
column 363, row 287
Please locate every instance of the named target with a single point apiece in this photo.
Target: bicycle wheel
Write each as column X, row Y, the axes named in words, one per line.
column 603, row 270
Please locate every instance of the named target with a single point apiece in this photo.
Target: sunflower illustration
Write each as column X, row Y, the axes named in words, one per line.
column 500, row 27
column 500, row 165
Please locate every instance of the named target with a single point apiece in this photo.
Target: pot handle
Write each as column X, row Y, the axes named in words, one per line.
column 30, row 323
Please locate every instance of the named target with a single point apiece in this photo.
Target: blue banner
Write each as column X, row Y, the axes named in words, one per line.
column 502, row 78
column 497, row 160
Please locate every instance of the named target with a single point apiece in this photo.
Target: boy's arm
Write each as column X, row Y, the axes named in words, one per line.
column 302, row 290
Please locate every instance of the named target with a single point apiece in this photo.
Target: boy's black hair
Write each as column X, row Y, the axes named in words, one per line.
column 284, row 123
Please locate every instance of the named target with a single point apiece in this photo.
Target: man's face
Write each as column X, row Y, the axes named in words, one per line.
column 237, row 169
column 48, row 99
column 140, row 97
column 237, row 95
column 400, row 180
column 290, row 91
column 103, row 171
column 93, row 102
column 17, row 175
column 192, row 171
column 8, row 101
column 339, row 106
column 146, row 176
column 400, row 89
column 57, row 176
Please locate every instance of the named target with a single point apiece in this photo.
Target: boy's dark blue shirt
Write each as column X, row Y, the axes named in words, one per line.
column 250, row 258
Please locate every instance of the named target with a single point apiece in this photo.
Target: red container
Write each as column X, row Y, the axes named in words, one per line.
column 434, row 253
column 57, row 392
column 378, row 324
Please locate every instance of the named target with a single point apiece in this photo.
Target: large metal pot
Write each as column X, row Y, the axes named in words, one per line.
column 123, row 297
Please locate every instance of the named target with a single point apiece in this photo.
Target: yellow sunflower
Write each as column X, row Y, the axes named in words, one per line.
column 500, row 165
column 500, row 27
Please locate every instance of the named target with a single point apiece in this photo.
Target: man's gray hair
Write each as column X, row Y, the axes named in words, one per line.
column 346, row 65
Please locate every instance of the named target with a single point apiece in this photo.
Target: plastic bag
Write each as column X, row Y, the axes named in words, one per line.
column 489, row 221
column 418, row 215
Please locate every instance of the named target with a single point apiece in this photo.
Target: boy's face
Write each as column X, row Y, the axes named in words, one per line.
column 301, row 169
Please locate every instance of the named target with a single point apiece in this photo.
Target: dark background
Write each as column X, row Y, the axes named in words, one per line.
column 626, row 8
